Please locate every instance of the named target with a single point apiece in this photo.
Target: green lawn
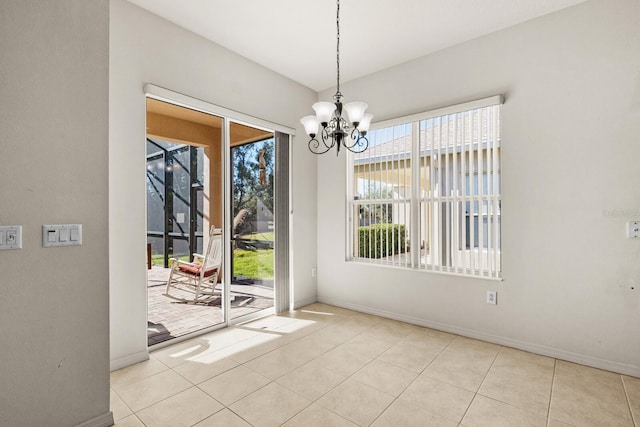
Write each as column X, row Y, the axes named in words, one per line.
column 158, row 259
column 256, row 264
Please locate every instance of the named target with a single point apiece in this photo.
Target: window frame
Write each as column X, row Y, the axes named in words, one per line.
column 416, row 197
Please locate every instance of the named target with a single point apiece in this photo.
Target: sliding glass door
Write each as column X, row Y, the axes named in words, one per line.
column 212, row 168
column 184, row 171
column 253, row 228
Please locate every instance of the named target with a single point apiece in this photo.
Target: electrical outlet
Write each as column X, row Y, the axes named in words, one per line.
column 314, row 272
column 492, row 297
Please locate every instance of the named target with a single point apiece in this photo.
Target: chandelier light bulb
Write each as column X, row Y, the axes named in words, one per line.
column 311, row 125
column 355, row 111
column 324, row 111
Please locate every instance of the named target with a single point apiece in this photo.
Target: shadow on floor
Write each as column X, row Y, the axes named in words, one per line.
column 157, row 333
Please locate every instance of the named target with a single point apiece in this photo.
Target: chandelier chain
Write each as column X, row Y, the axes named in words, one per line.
column 338, row 48
column 336, row 131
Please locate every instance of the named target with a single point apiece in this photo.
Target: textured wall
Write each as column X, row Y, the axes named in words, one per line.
column 54, row 302
column 571, row 122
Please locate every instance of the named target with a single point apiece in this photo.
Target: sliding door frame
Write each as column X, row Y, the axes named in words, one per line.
column 282, row 299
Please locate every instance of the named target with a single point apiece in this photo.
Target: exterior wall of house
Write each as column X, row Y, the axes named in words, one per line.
column 570, row 126
column 54, row 302
column 147, row 49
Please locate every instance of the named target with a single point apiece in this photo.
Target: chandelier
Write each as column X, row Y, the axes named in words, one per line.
column 336, row 130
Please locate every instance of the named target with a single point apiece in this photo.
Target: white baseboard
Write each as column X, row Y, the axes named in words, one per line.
column 129, row 360
column 556, row 353
column 303, row 302
column 104, row 420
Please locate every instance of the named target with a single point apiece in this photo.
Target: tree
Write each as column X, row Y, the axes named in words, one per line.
column 247, row 188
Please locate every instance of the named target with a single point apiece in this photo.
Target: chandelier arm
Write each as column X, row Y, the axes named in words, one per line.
column 361, row 145
column 316, row 148
column 355, row 136
column 325, row 134
column 360, row 142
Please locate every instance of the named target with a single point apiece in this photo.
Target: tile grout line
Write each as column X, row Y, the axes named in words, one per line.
column 398, row 366
column 236, row 414
column 225, row 406
column 125, row 404
column 241, row 364
column 349, row 377
column 341, row 382
column 423, row 369
column 394, row 397
column 172, row 369
column 344, row 380
column 139, row 420
column 475, row 394
column 466, row 411
column 489, row 370
column 553, row 381
column 367, row 364
column 161, row 400
column 196, row 386
column 312, row 402
column 626, row 393
column 271, row 381
column 432, row 360
column 439, row 354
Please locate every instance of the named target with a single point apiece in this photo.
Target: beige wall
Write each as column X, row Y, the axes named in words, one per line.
column 570, row 126
column 54, row 302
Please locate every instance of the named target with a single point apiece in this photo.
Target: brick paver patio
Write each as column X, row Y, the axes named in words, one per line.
column 167, row 318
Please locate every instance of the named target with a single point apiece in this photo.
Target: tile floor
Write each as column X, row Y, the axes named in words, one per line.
column 326, row 366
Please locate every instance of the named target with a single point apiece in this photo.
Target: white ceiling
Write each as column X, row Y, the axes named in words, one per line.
column 297, row 38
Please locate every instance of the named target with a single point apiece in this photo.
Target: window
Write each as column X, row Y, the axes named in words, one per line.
column 427, row 193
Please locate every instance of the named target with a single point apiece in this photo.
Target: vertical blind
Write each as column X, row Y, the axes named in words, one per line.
column 282, row 215
column 427, row 193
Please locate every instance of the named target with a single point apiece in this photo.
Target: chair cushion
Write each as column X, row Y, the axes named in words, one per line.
column 195, row 269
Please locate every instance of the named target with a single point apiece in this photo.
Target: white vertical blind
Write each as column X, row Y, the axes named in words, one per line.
column 426, row 194
column 282, row 225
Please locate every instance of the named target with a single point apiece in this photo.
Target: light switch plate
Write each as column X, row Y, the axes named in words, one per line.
column 10, row 237
column 633, row 229
column 61, row 235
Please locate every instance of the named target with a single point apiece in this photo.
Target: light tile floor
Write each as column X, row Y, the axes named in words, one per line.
column 326, row 366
